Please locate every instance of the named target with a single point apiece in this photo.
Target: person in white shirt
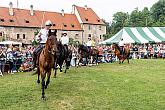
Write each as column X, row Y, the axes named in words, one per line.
column 41, row 39
column 121, row 44
column 65, row 41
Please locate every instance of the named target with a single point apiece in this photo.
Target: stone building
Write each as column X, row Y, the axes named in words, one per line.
column 22, row 24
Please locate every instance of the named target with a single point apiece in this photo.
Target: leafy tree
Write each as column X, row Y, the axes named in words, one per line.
column 158, row 11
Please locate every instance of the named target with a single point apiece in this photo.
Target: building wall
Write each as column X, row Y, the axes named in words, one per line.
column 95, row 31
column 10, row 33
column 76, row 35
column 16, row 33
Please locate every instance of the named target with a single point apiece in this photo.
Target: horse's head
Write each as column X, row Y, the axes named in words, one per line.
column 115, row 46
column 51, row 42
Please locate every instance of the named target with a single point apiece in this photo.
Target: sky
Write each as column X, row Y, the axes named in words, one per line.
column 104, row 8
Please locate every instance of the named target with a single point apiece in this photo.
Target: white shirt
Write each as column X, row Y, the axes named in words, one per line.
column 121, row 43
column 44, row 35
column 89, row 43
column 65, row 40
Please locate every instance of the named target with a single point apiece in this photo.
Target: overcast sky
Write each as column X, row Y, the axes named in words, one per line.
column 104, row 8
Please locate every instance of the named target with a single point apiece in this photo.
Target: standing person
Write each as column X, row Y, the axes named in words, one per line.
column 121, row 44
column 41, row 38
column 9, row 56
column 65, row 41
column 2, row 61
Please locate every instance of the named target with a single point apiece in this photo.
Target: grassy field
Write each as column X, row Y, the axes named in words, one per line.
column 137, row 86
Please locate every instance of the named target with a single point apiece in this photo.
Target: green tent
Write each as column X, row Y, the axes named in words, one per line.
column 138, row 35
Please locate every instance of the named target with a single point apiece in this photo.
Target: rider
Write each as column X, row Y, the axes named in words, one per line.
column 41, row 38
column 65, row 41
column 121, row 44
column 89, row 43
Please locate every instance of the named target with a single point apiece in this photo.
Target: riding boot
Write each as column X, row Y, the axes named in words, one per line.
column 35, row 55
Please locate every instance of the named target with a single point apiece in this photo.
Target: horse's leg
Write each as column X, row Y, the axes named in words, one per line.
column 43, row 75
column 60, row 67
column 79, row 60
column 87, row 62
column 91, row 60
column 66, row 65
column 38, row 71
column 128, row 60
column 55, row 69
column 96, row 59
column 48, row 80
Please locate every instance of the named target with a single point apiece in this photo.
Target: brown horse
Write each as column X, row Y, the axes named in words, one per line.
column 117, row 53
column 85, row 52
column 46, row 61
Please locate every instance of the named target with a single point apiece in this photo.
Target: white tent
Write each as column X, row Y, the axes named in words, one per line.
column 138, row 35
column 10, row 42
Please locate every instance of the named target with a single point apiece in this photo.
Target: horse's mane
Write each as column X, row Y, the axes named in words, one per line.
column 117, row 46
column 82, row 48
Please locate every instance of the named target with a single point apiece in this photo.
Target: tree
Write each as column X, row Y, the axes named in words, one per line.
column 158, row 13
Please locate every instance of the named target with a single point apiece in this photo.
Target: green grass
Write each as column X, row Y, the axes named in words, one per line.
column 139, row 85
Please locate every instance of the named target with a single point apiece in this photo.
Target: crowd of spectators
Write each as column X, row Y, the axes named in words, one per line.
column 20, row 59
column 14, row 59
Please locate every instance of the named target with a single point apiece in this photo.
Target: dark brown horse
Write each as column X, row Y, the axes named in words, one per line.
column 85, row 52
column 63, row 56
column 46, row 61
column 117, row 53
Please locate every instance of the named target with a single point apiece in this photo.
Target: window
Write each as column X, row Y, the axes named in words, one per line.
column 99, row 27
column 98, row 20
column 72, row 25
column 2, row 20
column 89, row 27
column 76, row 36
column 89, row 35
column 11, row 20
column 17, row 36
column 0, row 33
column 23, row 36
column 54, row 24
column 86, row 19
column 100, row 36
column 65, row 25
column 26, row 21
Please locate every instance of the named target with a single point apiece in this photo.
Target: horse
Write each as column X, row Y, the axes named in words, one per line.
column 46, row 61
column 62, row 55
column 85, row 52
column 117, row 52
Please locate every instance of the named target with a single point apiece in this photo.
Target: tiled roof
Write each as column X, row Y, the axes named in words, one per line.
column 89, row 16
column 22, row 18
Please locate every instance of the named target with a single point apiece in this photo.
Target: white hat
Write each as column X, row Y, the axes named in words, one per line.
column 48, row 23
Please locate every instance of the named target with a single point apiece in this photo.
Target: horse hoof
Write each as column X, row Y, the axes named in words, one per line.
column 38, row 81
column 55, row 77
column 45, row 87
column 60, row 70
column 65, row 71
column 43, row 98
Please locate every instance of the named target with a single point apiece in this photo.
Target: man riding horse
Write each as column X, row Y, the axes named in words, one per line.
column 41, row 38
column 65, row 41
column 90, row 44
column 121, row 44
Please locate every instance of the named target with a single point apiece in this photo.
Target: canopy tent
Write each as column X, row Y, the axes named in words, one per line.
column 138, row 35
column 10, row 42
